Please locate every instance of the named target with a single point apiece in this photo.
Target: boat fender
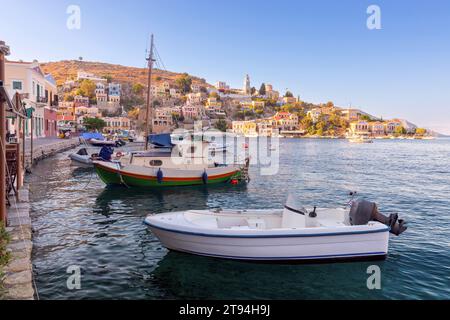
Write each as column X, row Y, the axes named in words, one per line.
column 205, row 177
column 313, row 214
column 160, row 176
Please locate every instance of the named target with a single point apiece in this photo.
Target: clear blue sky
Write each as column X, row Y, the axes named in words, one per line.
column 321, row 50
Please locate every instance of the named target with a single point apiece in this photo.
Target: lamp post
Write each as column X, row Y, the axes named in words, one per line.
column 4, row 51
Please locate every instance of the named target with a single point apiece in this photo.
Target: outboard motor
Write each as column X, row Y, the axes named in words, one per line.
column 362, row 212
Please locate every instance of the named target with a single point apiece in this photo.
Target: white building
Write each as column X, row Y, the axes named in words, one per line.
column 90, row 76
column 38, row 91
column 196, row 98
column 195, row 88
column 100, row 88
column 221, row 85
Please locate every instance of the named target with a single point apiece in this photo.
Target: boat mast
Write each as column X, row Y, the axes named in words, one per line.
column 149, row 93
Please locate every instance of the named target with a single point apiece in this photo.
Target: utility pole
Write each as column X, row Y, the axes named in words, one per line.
column 4, row 51
column 149, row 93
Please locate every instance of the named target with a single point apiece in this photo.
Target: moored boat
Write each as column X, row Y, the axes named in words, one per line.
column 185, row 165
column 83, row 157
column 102, row 143
column 360, row 139
column 292, row 234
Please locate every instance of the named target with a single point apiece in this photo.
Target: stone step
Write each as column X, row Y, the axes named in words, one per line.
column 20, row 292
column 19, row 221
column 16, row 278
column 18, row 265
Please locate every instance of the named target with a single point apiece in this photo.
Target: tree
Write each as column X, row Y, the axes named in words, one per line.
column 253, row 91
column 108, row 78
column 184, row 83
column 69, row 98
column 289, row 94
column 307, row 122
column 134, row 113
column 262, row 90
column 138, row 88
column 365, row 117
column 94, row 124
column 399, row 131
column 214, row 95
column 421, row 131
column 221, row 125
column 87, row 88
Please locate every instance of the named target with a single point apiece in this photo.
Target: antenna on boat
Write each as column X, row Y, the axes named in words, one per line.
column 150, row 60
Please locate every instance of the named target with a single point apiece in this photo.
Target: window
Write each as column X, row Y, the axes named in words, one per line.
column 17, row 85
column 156, row 163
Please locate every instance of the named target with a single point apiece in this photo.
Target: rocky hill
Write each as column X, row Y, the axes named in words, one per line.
column 67, row 70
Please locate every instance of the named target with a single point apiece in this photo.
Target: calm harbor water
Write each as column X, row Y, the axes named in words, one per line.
column 79, row 222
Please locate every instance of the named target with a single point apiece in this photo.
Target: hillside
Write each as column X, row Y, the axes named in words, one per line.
column 67, row 69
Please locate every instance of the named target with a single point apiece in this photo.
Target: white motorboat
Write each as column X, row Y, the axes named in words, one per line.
column 292, row 234
column 360, row 139
column 102, row 143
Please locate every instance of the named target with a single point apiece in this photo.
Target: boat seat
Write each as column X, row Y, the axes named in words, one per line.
column 229, row 223
column 256, row 223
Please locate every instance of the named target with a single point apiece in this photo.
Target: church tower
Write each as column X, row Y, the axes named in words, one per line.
column 247, row 86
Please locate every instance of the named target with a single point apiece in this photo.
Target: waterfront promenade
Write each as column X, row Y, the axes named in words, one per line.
column 47, row 147
column 18, row 280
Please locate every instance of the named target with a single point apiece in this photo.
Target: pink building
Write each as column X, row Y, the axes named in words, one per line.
column 50, row 123
column 192, row 112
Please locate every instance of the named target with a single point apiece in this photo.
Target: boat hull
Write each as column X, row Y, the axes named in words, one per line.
column 81, row 161
column 293, row 246
column 115, row 176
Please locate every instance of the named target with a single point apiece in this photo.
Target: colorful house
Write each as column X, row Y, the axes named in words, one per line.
column 38, row 92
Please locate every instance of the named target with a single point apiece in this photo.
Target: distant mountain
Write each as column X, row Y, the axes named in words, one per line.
column 68, row 69
column 437, row 134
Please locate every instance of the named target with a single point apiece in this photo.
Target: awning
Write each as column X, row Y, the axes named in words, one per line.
column 161, row 140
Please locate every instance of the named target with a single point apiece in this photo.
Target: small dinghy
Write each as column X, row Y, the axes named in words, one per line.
column 82, row 158
column 292, row 234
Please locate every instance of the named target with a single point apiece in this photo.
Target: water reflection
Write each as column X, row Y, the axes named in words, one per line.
column 188, row 276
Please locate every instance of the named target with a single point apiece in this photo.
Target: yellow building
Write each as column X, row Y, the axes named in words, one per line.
column 359, row 128
column 114, row 124
column 246, row 128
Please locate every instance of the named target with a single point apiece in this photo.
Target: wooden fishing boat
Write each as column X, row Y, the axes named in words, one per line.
column 182, row 167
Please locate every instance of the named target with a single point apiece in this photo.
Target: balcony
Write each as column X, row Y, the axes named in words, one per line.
column 42, row 100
